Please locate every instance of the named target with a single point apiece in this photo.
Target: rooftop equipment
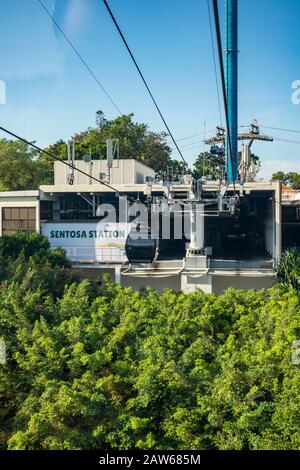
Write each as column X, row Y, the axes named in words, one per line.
column 71, row 161
column 112, row 152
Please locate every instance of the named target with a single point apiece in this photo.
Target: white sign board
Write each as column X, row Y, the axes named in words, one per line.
column 89, row 242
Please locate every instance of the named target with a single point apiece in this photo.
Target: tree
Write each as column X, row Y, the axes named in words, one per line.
column 256, row 163
column 292, row 179
column 252, row 401
column 279, row 176
column 18, row 169
column 136, row 141
column 99, row 366
column 32, row 276
column 175, row 169
column 214, row 165
column 22, row 168
column 207, row 164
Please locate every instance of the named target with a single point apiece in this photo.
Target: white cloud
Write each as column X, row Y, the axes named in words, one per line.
column 72, row 16
column 272, row 166
column 77, row 15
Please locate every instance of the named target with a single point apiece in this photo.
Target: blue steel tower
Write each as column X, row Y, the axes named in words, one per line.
column 232, row 87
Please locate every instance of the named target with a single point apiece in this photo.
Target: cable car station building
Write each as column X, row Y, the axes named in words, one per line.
column 219, row 234
column 236, row 248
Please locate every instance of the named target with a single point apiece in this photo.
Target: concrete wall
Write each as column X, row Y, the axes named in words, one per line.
column 97, row 273
column 269, row 229
column 122, row 172
column 172, row 282
column 278, row 220
column 208, row 283
column 193, row 283
column 222, row 283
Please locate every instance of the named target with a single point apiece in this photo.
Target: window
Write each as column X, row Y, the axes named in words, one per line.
column 18, row 219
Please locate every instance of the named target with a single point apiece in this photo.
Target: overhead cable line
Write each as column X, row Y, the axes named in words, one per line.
column 214, row 61
column 12, row 134
column 194, row 149
column 276, row 128
column 142, row 77
column 191, row 144
column 221, row 64
column 287, row 141
column 195, row 145
column 280, row 129
column 192, row 136
column 84, row 62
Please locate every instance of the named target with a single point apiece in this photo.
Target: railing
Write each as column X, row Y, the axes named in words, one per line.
column 96, row 255
column 289, row 196
column 255, row 264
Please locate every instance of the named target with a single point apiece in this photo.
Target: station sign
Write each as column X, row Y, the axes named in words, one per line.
column 89, row 242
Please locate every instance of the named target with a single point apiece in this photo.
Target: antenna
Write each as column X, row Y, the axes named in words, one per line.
column 112, row 152
column 88, row 160
column 71, row 161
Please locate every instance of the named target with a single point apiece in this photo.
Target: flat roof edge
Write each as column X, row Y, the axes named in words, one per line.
column 26, row 193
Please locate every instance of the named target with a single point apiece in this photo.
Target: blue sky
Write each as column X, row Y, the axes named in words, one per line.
column 50, row 95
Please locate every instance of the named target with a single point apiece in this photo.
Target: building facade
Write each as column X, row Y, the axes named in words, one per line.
column 86, row 218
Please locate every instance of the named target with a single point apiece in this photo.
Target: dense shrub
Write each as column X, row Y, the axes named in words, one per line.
column 288, row 271
column 92, row 366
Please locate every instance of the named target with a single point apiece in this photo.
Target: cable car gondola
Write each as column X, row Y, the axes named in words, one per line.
column 217, row 151
column 140, row 247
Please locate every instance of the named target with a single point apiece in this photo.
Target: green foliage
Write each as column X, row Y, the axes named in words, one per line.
column 176, row 168
column 288, row 271
column 33, row 277
column 207, row 164
column 19, row 252
column 136, row 141
column 292, row 178
column 23, row 168
column 93, row 365
column 19, row 167
column 214, row 165
column 107, row 367
column 278, row 176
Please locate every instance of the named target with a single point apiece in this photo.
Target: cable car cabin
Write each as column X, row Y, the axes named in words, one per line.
column 140, row 247
column 216, row 150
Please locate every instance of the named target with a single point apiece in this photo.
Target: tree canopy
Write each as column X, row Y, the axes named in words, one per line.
column 23, row 168
column 292, row 178
column 214, row 165
column 19, row 168
column 207, row 164
column 135, row 139
column 99, row 366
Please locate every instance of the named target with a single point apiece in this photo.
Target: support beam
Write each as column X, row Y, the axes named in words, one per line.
column 278, row 220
